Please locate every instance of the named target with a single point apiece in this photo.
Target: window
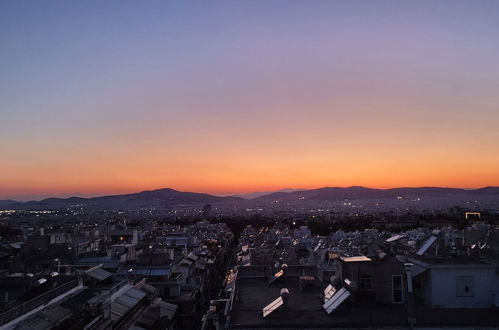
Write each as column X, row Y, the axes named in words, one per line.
column 465, row 286
column 397, row 289
column 365, row 282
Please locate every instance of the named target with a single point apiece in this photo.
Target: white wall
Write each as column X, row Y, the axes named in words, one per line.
column 444, row 287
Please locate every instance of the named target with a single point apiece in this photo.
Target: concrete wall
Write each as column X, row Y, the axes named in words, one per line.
column 267, row 271
column 380, row 271
column 444, row 287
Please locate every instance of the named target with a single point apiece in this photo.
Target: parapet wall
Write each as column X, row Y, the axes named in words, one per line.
column 267, row 271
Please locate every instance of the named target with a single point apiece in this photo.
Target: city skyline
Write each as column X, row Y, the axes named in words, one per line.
column 228, row 98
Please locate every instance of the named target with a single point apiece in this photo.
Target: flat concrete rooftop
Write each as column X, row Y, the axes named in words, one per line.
column 305, row 308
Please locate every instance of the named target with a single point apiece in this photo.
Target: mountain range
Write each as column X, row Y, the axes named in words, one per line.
column 357, row 192
column 263, row 193
column 160, row 198
column 170, row 198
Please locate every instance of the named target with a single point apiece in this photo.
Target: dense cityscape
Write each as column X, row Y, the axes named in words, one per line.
column 223, row 266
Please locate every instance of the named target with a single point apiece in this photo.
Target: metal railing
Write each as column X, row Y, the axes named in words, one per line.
column 106, row 296
column 36, row 302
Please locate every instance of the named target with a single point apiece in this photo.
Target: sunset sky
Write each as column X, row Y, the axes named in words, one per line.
column 101, row 97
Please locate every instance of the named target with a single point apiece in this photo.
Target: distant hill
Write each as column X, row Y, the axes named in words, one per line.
column 356, row 192
column 169, row 198
column 6, row 202
column 264, row 193
column 161, row 198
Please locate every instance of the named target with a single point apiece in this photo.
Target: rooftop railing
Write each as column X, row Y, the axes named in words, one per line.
column 29, row 305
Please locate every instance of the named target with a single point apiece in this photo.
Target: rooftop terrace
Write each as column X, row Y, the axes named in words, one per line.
column 305, row 308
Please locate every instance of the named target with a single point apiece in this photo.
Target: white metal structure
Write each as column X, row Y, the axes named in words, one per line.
column 336, row 300
column 394, row 238
column 329, row 291
column 426, row 245
column 267, row 310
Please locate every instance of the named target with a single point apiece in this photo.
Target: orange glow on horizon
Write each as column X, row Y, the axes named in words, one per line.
column 246, row 96
column 237, row 183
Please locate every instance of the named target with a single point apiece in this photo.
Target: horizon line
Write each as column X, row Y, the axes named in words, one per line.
column 40, row 197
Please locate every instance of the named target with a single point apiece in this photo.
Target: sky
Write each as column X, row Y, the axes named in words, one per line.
column 103, row 97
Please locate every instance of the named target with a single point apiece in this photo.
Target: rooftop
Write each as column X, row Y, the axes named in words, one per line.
column 444, row 262
column 356, row 259
column 305, row 308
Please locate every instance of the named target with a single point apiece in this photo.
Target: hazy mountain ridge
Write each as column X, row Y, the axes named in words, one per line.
column 170, row 198
column 148, row 199
column 257, row 194
column 7, row 202
column 357, row 192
